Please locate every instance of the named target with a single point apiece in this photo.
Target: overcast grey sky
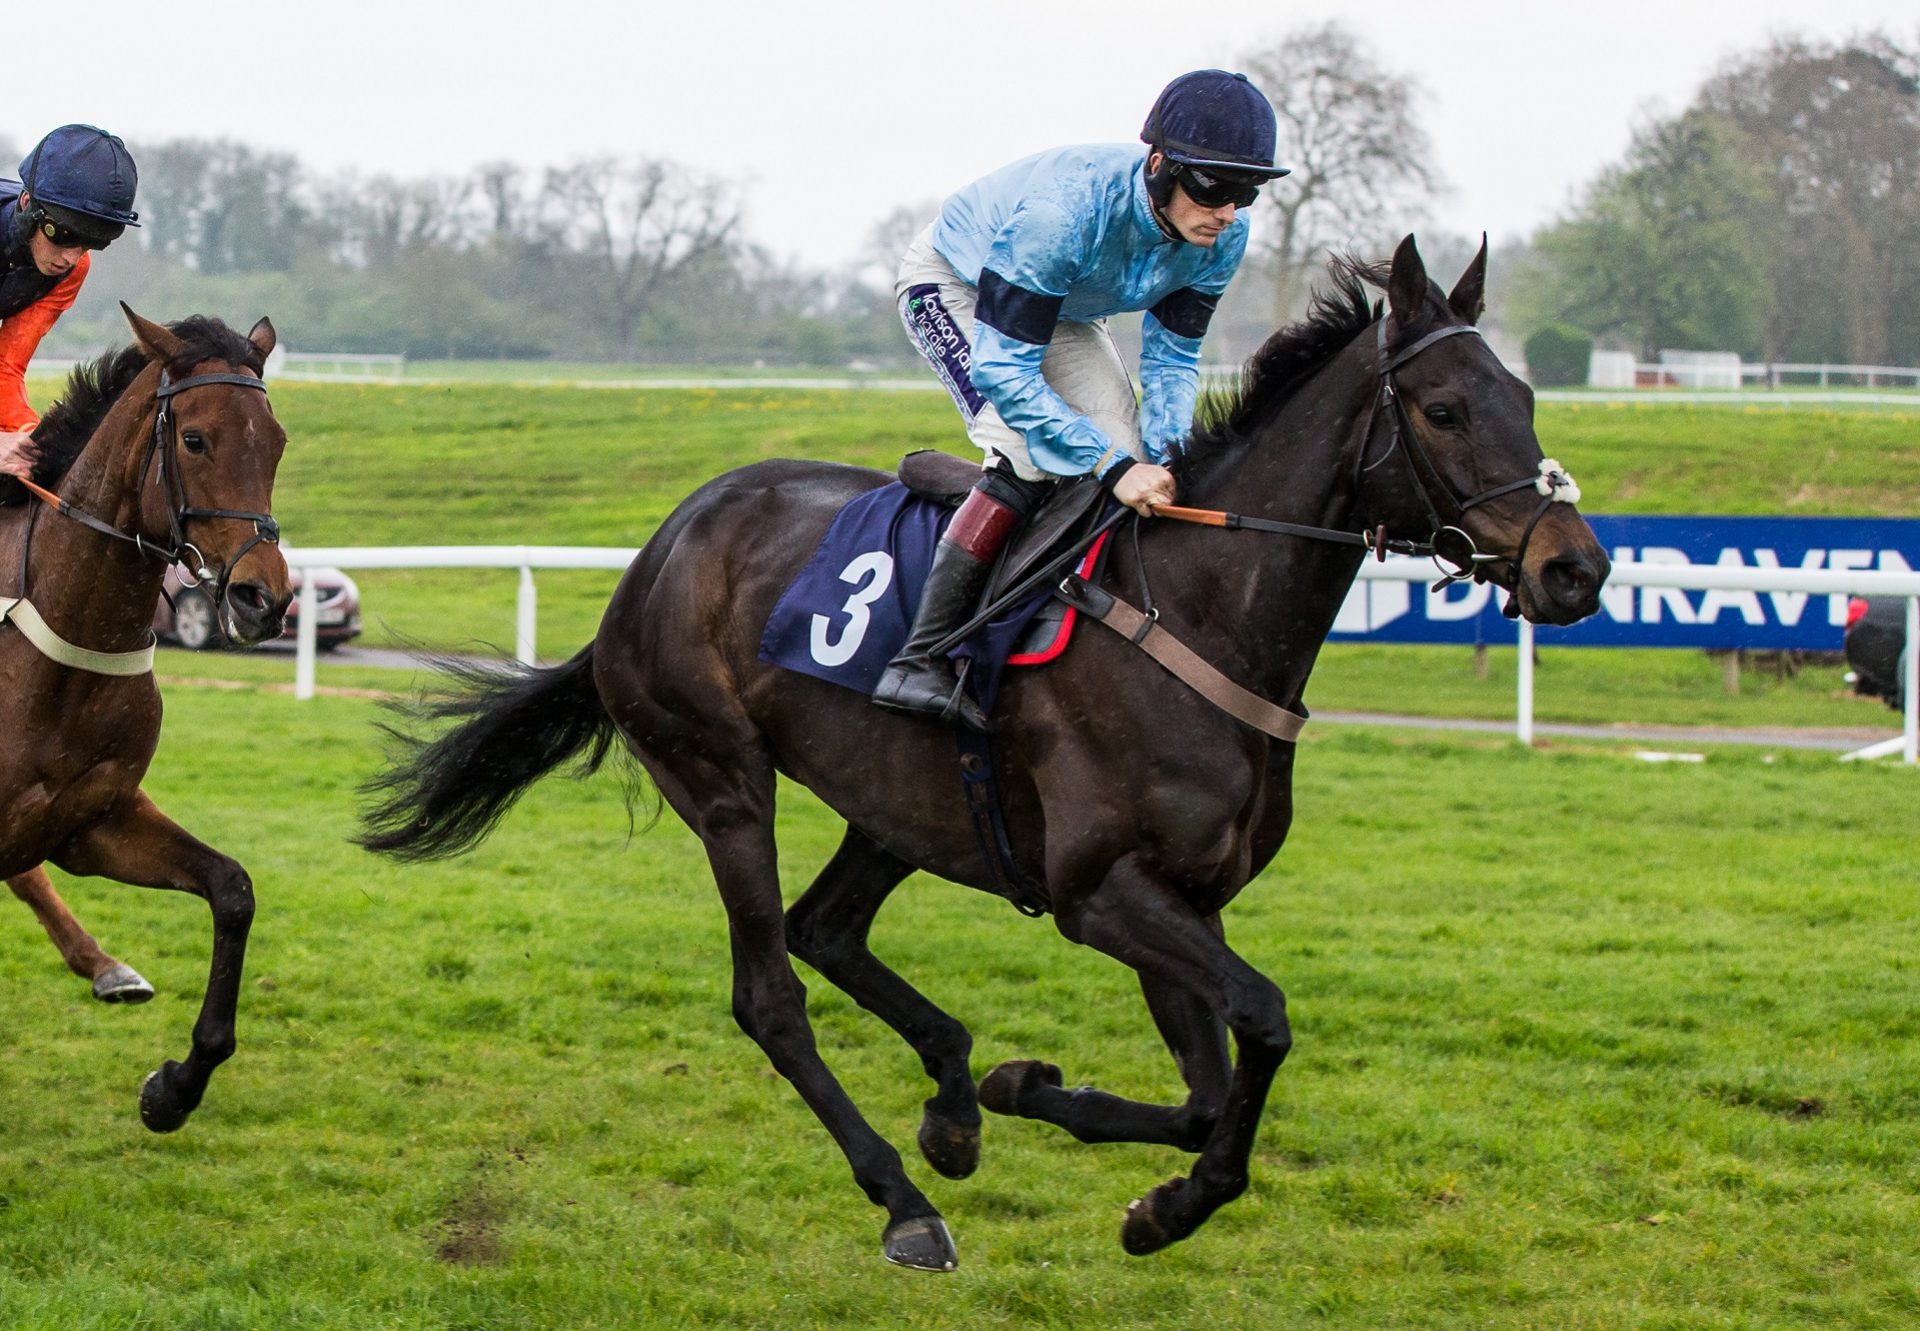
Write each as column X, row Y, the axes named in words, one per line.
column 832, row 113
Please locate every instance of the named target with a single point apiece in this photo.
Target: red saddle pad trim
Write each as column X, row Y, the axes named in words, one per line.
column 1042, row 655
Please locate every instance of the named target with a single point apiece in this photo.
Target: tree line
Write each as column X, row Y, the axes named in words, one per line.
column 1777, row 215
column 602, row 258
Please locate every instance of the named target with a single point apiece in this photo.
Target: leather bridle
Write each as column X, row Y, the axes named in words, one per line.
column 162, row 447
column 1448, row 544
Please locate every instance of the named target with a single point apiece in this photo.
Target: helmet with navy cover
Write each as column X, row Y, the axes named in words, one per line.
column 1218, row 121
column 82, row 178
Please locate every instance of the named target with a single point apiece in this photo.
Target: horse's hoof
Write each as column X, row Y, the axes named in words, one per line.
column 953, row 1149
column 1140, row 1232
column 921, row 1243
column 160, row 1109
column 1149, row 1227
column 1002, row 1089
column 122, row 984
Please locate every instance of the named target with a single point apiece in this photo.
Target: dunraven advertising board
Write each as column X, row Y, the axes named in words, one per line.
column 1390, row 611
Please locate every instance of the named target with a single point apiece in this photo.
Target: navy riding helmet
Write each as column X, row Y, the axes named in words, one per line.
column 83, row 179
column 1217, row 130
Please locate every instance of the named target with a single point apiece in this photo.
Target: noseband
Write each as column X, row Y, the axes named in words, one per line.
column 163, row 446
column 1452, row 549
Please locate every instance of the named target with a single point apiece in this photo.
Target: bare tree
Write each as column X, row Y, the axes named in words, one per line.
column 1361, row 163
column 639, row 224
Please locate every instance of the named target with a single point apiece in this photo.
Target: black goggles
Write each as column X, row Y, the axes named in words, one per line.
column 1217, row 191
column 65, row 237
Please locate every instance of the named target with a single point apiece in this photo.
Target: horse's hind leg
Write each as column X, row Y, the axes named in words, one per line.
column 1196, row 1037
column 731, row 810
column 827, row 928
column 138, row 844
column 1136, row 917
column 113, row 981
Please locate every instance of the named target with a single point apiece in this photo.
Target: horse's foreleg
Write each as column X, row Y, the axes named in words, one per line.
column 827, row 928
column 1195, row 1036
column 138, row 844
column 1136, row 917
column 113, row 981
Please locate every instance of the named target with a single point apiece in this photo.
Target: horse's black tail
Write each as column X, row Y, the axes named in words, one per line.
column 443, row 796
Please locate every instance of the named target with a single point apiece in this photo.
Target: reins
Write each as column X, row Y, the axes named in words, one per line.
column 162, row 445
column 1142, row 627
column 1454, row 563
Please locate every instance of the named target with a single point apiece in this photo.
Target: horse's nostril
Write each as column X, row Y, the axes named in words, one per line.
column 249, row 598
column 1567, row 580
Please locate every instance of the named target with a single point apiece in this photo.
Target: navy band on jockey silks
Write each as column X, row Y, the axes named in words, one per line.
column 1026, row 316
column 1186, row 312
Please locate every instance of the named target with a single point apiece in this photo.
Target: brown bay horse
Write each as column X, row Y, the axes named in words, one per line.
column 113, row 980
column 1139, row 806
column 163, row 451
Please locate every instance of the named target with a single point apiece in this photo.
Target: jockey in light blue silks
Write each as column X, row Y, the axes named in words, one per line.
column 1007, row 294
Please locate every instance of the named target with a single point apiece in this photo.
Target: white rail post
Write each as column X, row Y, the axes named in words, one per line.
column 307, row 636
column 1523, row 730
column 523, row 636
column 1911, row 728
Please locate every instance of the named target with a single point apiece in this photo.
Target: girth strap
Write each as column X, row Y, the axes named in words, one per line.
column 1181, row 660
column 19, row 611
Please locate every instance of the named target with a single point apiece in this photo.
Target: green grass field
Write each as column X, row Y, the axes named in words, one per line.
column 1581, row 1042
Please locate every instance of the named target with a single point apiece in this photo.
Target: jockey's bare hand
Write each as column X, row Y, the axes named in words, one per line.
column 1143, row 486
column 17, row 453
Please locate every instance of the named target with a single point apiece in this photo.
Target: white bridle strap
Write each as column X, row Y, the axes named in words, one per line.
column 20, row 613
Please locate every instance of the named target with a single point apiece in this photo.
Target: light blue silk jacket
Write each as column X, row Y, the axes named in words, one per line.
column 1069, row 234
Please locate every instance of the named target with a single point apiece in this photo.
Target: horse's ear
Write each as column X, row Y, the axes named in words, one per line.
column 1407, row 286
column 1469, row 295
column 263, row 337
column 159, row 343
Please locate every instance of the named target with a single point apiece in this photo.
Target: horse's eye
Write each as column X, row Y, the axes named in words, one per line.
column 193, row 441
column 1441, row 416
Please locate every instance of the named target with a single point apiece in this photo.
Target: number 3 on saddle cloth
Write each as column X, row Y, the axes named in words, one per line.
column 846, row 614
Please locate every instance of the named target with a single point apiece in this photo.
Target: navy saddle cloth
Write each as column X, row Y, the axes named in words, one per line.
column 846, row 614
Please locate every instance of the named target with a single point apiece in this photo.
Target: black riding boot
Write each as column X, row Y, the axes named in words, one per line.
column 916, row 681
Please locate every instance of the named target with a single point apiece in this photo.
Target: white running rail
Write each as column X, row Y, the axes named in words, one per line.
column 1626, row 573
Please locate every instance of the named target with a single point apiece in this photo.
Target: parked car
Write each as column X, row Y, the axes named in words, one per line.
column 1876, row 636
column 193, row 623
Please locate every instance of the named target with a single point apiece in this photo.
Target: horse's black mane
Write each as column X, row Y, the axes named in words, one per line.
column 95, row 386
column 1339, row 313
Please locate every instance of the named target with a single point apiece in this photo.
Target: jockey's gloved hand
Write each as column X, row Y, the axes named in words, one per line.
column 1142, row 486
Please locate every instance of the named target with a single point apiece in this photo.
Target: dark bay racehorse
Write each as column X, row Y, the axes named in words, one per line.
column 1141, row 807
column 165, row 450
